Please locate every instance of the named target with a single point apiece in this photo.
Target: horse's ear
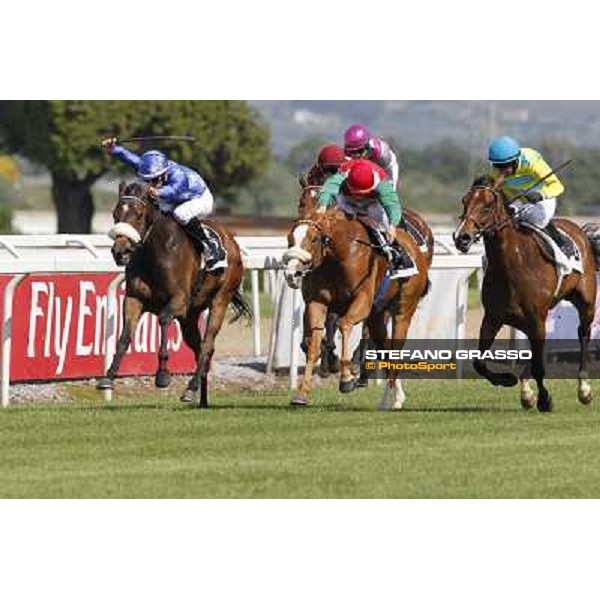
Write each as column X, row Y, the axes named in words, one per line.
column 302, row 180
column 122, row 185
column 499, row 182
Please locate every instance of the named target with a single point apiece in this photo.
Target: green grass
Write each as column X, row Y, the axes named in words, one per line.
column 453, row 440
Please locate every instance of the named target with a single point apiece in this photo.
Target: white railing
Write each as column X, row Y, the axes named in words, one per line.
column 21, row 256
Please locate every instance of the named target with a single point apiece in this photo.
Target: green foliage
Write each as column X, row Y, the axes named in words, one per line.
column 64, row 135
column 276, row 193
column 302, row 156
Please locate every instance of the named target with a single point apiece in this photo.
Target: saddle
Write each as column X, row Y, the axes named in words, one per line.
column 566, row 257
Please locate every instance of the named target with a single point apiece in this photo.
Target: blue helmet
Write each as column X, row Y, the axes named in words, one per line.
column 504, row 150
column 152, row 164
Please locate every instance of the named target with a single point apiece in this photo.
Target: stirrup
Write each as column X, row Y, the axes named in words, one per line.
column 402, row 273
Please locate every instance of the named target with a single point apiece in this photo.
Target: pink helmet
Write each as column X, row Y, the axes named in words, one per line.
column 356, row 138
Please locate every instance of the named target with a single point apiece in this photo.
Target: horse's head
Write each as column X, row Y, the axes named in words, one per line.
column 483, row 212
column 308, row 199
column 310, row 243
column 133, row 216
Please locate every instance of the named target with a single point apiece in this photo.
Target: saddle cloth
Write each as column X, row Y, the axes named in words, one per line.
column 564, row 264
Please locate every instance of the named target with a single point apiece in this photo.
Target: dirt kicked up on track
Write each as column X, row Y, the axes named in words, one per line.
column 452, row 440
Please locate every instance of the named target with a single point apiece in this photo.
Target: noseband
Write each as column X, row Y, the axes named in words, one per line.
column 121, row 227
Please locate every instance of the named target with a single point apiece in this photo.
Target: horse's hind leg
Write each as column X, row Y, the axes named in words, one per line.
column 487, row 334
column 192, row 337
column 216, row 316
column 586, row 310
column 132, row 310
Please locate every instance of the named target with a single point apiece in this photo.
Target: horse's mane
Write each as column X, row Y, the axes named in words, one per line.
column 484, row 181
column 134, row 188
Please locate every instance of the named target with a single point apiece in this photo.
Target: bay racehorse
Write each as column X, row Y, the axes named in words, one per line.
column 415, row 226
column 333, row 260
column 521, row 285
column 164, row 276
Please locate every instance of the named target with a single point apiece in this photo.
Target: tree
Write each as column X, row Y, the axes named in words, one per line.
column 303, row 155
column 231, row 148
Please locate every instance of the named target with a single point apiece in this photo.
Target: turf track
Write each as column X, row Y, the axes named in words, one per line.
column 453, row 440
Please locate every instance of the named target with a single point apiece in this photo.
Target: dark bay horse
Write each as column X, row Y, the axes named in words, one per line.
column 163, row 276
column 416, row 226
column 520, row 285
column 333, row 260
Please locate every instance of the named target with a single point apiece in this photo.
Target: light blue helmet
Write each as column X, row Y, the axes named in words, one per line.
column 152, row 164
column 504, row 150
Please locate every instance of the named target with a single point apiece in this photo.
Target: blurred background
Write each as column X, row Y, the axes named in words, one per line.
column 54, row 178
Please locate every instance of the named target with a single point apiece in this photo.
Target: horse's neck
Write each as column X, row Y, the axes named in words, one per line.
column 506, row 249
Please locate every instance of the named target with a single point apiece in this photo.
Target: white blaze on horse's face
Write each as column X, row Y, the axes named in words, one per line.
column 297, row 260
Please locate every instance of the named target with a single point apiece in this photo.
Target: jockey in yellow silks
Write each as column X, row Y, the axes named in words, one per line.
column 522, row 168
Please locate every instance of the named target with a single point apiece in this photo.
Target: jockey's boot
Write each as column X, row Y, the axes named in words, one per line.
column 562, row 241
column 210, row 244
column 401, row 264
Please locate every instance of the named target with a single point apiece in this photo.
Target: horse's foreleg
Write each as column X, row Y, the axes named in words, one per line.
column 358, row 311
column 315, row 315
column 163, row 377
column 538, row 371
column 487, row 334
column 132, row 311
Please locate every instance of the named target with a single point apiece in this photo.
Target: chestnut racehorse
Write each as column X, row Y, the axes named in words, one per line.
column 164, row 277
column 333, row 259
column 416, row 226
column 520, row 285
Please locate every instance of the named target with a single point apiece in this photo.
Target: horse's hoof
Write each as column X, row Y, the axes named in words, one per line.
column 299, row 400
column 544, row 405
column 335, row 365
column 324, row 371
column 104, row 383
column 527, row 401
column 347, row 386
column 505, row 380
column 162, row 379
column 188, row 396
column 584, row 393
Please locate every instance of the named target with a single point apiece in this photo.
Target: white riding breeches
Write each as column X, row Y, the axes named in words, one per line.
column 539, row 214
column 369, row 208
column 201, row 207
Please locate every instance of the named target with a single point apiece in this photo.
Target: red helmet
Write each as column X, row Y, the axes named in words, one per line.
column 362, row 178
column 331, row 156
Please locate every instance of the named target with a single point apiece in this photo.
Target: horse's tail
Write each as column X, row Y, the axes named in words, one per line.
column 592, row 231
column 241, row 308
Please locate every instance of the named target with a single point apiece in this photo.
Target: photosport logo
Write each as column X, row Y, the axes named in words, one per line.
column 453, row 359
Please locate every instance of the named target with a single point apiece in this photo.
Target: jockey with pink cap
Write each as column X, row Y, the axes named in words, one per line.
column 359, row 143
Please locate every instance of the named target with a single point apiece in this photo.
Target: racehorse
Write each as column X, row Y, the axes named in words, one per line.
column 416, row 227
column 164, row 276
column 521, row 285
column 333, row 259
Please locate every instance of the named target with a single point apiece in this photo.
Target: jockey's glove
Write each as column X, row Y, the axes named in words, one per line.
column 534, row 197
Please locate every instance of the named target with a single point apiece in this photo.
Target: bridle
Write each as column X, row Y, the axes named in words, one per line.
column 496, row 225
column 144, row 201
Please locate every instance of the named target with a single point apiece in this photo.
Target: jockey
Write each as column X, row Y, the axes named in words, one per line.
column 359, row 143
column 363, row 187
column 329, row 161
column 521, row 169
column 180, row 191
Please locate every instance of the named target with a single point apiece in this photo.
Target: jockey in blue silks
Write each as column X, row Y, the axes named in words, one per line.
column 179, row 191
